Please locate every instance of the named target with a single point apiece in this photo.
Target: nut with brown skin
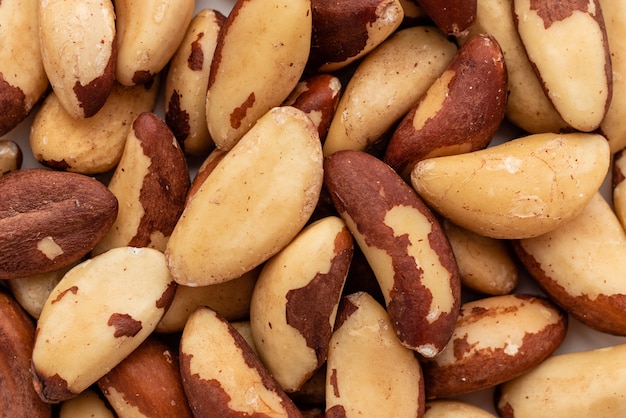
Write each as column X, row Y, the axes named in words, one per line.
column 451, row 16
column 618, row 186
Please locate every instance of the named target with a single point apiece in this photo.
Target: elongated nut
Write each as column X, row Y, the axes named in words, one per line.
column 150, row 183
column 568, row 261
column 460, row 112
column 79, row 52
column 452, row 17
column 578, row 80
column 93, row 145
column 185, row 102
column 17, row 395
column 87, row 404
column 10, row 156
column 116, row 300
column 260, row 195
column 400, row 71
column 221, row 374
column 496, row 339
column 23, row 79
column 368, row 369
column 148, row 34
column 448, row 408
column 256, row 65
column 584, row 384
column 403, row 243
column 50, row 219
column 294, row 302
column 519, row 189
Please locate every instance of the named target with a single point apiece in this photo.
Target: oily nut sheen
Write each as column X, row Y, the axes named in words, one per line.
column 148, row 34
column 567, row 44
column 584, row 384
column 217, row 365
column 496, row 339
column 93, row 145
column 115, row 301
column 294, row 302
column 580, row 265
column 150, row 183
column 400, row 71
column 519, row 189
column 23, row 79
column 368, row 370
column 448, row 408
column 87, row 404
column 185, row 103
column 260, row 56
column 403, row 243
column 618, row 186
column 78, row 50
column 452, row 17
column 252, row 203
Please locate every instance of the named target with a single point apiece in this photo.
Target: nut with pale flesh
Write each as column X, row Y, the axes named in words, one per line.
column 11, row 156
column 618, row 186
column 87, row 404
column 450, row 408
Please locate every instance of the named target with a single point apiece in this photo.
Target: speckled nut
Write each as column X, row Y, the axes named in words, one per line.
column 578, row 80
column 400, row 71
column 261, row 193
column 344, row 32
column 93, row 145
column 87, row 404
column 116, row 301
column 368, row 369
column 451, row 408
column 584, row 384
column 404, row 244
column 496, row 339
column 460, row 112
column 23, row 80
column 78, row 50
column 150, row 184
column 294, row 302
column 147, row 383
column 148, row 34
column 256, row 64
column 452, row 17
column 10, row 156
column 50, row 219
column 568, row 261
column 185, row 101
column 519, row 189
column 618, row 186
column 221, row 374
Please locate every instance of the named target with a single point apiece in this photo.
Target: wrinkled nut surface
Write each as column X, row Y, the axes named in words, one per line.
column 404, row 245
column 78, row 50
column 367, row 368
column 519, row 189
column 60, row 218
column 256, row 64
column 115, row 301
column 216, row 364
column 252, row 203
column 87, row 404
column 452, row 17
column 444, row 408
column 495, row 339
column 10, row 156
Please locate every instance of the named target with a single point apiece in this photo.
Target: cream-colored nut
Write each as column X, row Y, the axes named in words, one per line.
column 101, row 311
column 403, row 243
column 185, row 102
column 400, row 71
column 580, row 265
column 78, row 50
column 368, row 370
column 150, row 183
column 221, row 374
column 245, row 330
column 452, row 17
column 252, row 204
column 93, row 145
column 294, row 302
column 148, row 34
column 519, row 189
column 10, row 156
column 448, row 408
column 584, row 384
column 568, row 47
column 87, row 404
column 618, row 186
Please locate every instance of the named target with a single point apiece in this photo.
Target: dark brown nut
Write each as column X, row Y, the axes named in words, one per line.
column 403, row 243
column 150, row 183
column 459, row 113
column 147, row 382
column 451, row 16
column 496, row 339
column 17, row 395
column 221, row 374
column 10, row 156
column 50, row 219
column 346, row 31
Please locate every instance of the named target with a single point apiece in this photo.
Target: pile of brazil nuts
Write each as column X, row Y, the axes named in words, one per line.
column 306, row 208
